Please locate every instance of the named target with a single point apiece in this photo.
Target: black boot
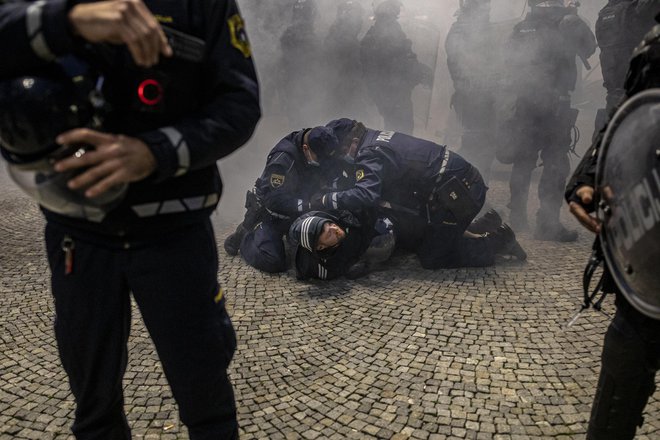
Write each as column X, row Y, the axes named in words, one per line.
column 505, row 243
column 233, row 242
column 553, row 230
column 489, row 222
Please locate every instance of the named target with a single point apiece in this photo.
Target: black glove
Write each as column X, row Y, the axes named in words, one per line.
column 316, row 202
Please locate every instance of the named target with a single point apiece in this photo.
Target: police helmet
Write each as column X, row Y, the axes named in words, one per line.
column 389, row 9
column 628, row 184
column 34, row 110
column 644, row 72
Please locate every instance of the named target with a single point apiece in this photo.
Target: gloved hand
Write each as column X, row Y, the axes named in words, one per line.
column 316, row 202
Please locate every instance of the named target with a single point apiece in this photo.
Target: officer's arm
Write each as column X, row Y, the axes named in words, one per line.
column 579, row 33
column 370, row 167
column 32, row 34
column 231, row 109
column 646, row 8
column 280, row 188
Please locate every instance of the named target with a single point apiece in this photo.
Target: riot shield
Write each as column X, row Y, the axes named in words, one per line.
column 628, row 184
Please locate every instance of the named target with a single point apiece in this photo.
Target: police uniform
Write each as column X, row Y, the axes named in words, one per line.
column 631, row 349
column 391, row 68
column 284, row 191
column 430, row 193
column 542, row 54
column 159, row 243
column 620, row 27
column 475, row 80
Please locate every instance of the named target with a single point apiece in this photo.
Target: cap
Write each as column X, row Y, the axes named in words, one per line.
column 322, row 141
column 310, row 231
column 341, row 128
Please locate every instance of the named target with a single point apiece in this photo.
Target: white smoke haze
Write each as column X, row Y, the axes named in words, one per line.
column 425, row 22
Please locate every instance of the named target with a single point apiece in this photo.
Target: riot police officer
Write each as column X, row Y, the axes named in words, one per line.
column 161, row 140
column 432, row 193
column 296, row 168
column 391, row 68
column 300, row 65
column 472, row 57
column 631, row 349
column 620, row 27
column 542, row 54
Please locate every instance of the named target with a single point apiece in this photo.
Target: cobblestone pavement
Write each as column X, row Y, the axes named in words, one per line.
column 403, row 353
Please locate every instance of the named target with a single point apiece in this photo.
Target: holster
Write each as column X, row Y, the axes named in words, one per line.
column 453, row 198
column 255, row 211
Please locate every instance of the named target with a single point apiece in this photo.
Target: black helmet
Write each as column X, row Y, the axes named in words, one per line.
column 349, row 8
column 389, row 9
column 34, row 110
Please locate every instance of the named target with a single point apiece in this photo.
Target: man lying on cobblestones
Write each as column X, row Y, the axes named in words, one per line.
column 178, row 104
column 297, row 167
column 421, row 186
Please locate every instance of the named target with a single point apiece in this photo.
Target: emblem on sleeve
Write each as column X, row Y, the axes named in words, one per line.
column 359, row 174
column 276, row 180
column 239, row 37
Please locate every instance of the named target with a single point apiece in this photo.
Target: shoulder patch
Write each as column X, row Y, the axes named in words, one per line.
column 276, row 180
column 359, row 174
column 239, row 37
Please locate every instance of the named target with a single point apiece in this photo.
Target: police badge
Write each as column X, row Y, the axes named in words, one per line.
column 276, row 180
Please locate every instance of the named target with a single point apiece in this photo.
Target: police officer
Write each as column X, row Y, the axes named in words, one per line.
column 472, row 58
column 296, row 168
column 342, row 62
column 331, row 244
column 300, row 66
column 436, row 190
column 542, row 54
column 391, row 68
column 620, row 27
column 631, row 349
column 158, row 243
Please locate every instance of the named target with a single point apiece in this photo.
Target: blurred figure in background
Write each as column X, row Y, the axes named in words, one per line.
column 541, row 56
column 391, row 69
column 620, row 27
column 300, row 66
column 472, row 57
column 345, row 89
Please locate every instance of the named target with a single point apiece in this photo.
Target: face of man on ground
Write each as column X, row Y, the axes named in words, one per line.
column 331, row 236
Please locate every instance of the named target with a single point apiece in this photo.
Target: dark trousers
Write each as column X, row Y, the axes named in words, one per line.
column 443, row 244
column 174, row 282
column 630, row 360
column 263, row 247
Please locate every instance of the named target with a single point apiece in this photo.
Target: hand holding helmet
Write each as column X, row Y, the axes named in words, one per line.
column 114, row 160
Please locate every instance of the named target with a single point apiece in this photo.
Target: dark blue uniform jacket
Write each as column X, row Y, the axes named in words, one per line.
column 391, row 167
column 209, row 109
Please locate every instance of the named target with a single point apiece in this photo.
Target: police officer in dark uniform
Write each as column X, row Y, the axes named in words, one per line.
column 391, row 68
column 342, row 62
column 472, row 57
column 300, row 66
column 542, row 54
column 296, row 168
column 436, row 190
column 158, row 243
column 620, row 27
column 631, row 349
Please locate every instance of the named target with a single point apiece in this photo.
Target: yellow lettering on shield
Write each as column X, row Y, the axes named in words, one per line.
column 276, row 180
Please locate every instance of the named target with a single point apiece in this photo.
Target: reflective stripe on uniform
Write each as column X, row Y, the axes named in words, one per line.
column 33, row 24
column 443, row 167
column 175, row 206
column 181, row 147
